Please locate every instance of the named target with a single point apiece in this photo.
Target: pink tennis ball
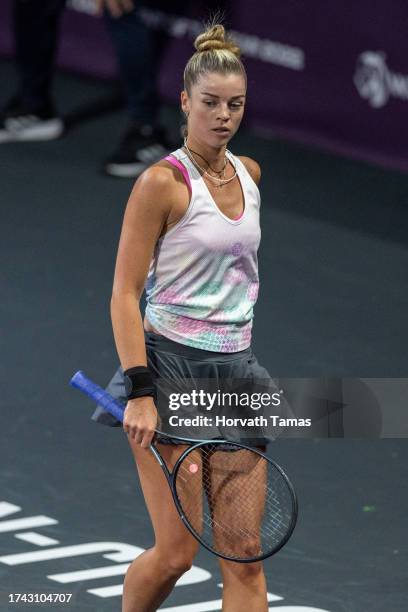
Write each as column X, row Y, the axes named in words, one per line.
column 193, row 468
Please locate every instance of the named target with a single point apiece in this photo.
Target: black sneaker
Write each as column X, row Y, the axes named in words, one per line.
column 141, row 146
column 18, row 124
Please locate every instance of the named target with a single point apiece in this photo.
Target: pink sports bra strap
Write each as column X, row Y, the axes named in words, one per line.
column 175, row 162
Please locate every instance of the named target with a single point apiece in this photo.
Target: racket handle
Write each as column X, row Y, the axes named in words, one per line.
column 99, row 395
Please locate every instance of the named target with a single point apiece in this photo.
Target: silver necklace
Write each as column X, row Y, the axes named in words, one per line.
column 204, row 171
column 219, row 172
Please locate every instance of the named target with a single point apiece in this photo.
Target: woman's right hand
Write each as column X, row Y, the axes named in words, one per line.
column 140, row 420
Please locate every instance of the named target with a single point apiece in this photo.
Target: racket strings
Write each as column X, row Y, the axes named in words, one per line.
column 237, row 502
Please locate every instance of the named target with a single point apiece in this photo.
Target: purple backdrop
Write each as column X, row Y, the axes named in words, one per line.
column 329, row 74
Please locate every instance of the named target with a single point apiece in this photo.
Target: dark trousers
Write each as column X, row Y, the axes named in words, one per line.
column 138, row 50
column 137, row 56
column 36, row 27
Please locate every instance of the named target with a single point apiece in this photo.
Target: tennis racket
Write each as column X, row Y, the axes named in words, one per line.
column 236, row 501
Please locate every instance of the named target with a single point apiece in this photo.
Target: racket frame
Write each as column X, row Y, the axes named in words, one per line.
column 171, row 477
column 102, row 397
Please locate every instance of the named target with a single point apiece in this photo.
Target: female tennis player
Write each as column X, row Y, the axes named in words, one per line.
column 190, row 237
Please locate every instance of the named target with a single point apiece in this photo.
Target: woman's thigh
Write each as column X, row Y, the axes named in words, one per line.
column 170, row 533
column 236, row 491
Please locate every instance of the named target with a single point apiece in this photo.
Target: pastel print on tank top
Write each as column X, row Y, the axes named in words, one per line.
column 203, row 278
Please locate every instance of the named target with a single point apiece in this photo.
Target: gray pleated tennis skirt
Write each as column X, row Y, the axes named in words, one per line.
column 172, row 364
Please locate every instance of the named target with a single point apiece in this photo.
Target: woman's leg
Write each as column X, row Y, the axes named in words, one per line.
column 244, row 587
column 152, row 576
column 236, row 495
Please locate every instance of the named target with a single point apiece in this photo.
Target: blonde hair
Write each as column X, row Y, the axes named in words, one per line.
column 216, row 51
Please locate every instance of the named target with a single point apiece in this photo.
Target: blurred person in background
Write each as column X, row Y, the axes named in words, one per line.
column 31, row 114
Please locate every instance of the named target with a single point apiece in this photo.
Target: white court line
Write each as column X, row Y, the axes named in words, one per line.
column 209, row 606
column 89, row 574
column 36, row 538
column 205, row 606
column 193, row 576
column 23, row 523
column 7, row 508
column 110, row 591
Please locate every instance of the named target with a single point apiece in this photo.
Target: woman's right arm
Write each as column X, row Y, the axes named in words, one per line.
column 146, row 213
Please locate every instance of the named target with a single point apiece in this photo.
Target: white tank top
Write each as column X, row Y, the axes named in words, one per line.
column 203, row 278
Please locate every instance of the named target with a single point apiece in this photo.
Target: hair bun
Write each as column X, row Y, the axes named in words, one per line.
column 215, row 38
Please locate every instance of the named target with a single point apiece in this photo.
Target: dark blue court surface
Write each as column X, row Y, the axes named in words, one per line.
column 333, row 302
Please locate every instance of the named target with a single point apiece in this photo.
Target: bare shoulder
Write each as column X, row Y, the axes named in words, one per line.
column 156, row 186
column 159, row 198
column 159, row 176
column 252, row 166
column 146, row 207
column 155, row 178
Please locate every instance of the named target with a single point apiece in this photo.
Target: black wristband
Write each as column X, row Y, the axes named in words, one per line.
column 138, row 382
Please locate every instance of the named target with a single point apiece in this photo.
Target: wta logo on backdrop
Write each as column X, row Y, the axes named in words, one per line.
column 375, row 82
